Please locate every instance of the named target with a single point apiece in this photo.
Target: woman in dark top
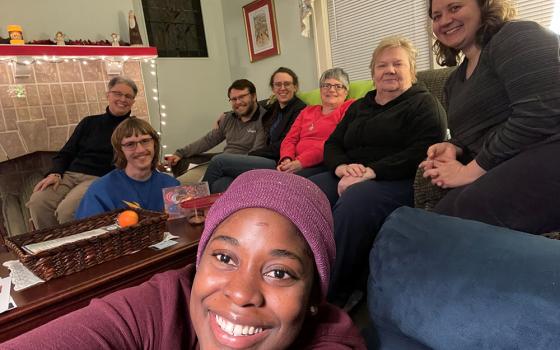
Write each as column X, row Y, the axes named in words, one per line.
column 504, row 115
column 373, row 155
column 282, row 113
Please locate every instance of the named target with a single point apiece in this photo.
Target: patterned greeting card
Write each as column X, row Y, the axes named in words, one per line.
column 173, row 196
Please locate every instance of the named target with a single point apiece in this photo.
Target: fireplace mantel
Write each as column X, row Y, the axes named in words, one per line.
column 75, row 51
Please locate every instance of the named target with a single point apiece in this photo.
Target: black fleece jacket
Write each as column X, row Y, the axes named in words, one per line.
column 288, row 115
column 391, row 139
column 89, row 149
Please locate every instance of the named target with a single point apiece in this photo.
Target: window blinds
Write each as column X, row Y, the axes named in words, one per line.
column 357, row 26
column 540, row 11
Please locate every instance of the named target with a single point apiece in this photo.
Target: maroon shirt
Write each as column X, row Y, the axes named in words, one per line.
column 155, row 315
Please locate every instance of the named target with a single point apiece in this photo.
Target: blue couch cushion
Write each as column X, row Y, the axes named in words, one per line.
column 447, row 283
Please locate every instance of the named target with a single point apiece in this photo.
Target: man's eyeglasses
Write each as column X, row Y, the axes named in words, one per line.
column 119, row 94
column 131, row 146
column 238, row 98
column 327, row 86
column 280, row 84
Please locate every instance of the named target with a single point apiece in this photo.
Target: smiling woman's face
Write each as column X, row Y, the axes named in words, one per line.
column 253, row 284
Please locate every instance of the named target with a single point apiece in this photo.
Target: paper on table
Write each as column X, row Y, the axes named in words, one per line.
column 167, row 236
column 12, row 304
column 165, row 242
column 21, row 276
column 35, row 248
column 5, row 287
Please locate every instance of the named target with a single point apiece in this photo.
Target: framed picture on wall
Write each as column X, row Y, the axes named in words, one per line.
column 260, row 25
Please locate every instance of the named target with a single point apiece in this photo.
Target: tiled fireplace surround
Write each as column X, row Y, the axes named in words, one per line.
column 58, row 95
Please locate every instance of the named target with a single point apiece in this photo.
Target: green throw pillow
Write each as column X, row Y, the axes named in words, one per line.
column 358, row 89
column 312, row 97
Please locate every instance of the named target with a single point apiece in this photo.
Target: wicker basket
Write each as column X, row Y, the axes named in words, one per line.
column 76, row 256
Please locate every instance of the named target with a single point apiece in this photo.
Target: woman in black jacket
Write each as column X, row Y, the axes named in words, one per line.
column 373, row 155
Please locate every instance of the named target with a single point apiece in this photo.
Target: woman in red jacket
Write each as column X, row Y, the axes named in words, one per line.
column 301, row 151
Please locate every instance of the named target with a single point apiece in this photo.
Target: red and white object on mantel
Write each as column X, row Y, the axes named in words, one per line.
column 39, row 51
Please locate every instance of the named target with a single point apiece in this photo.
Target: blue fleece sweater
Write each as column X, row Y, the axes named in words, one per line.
column 110, row 191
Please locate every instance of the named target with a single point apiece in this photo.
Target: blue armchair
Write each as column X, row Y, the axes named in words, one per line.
column 439, row 282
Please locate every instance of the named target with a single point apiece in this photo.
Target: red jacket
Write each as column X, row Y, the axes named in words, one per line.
column 307, row 136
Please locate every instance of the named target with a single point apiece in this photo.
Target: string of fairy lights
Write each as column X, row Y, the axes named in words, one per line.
column 161, row 109
column 113, row 63
column 14, row 60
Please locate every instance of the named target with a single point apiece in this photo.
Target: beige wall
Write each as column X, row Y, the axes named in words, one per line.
column 78, row 19
column 193, row 89
column 296, row 52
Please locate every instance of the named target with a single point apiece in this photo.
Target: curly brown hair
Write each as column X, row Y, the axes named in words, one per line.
column 133, row 126
column 494, row 13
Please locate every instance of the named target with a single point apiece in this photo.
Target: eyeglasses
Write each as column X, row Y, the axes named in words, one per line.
column 131, row 146
column 119, row 94
column 327, row 86
column 280, row 84
column 238, row 98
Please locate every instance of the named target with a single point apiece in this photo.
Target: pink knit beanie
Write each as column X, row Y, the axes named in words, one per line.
column 293, row 196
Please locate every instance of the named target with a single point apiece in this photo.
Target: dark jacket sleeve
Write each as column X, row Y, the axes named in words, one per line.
column 66, row 155
column 425, row 127
column 334, row 151
column 272, row 149
column 525, row 58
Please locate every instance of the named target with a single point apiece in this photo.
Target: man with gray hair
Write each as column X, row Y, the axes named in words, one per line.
column 87, row 155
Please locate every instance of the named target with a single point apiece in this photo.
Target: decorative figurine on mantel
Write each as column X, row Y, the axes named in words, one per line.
column 59, row 38
column 134, row 31
column 115, row 39
column 16, row 34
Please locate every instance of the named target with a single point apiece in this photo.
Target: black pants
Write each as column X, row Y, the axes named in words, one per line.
column 522, row 193
column 358, row 215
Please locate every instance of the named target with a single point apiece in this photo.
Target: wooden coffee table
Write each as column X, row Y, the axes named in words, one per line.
column 46, row 301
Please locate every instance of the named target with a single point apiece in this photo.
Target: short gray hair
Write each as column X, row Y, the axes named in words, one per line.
column 338, row 74
column 123, row 80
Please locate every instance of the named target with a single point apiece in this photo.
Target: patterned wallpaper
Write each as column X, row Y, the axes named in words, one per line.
column 57, row 97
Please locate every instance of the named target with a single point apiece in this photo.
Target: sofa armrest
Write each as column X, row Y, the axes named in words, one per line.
column 450, row 283
column 183, row 164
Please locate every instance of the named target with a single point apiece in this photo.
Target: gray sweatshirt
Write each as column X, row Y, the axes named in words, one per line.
column 241, row 137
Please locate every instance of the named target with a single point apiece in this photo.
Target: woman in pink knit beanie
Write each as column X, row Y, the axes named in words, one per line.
column 262, row 274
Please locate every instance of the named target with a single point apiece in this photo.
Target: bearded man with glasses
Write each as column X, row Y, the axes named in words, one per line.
column 86, row 156
column 241, row 129
column 135, row 182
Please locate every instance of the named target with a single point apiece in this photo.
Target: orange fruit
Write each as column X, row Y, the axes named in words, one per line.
column 127, row 218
